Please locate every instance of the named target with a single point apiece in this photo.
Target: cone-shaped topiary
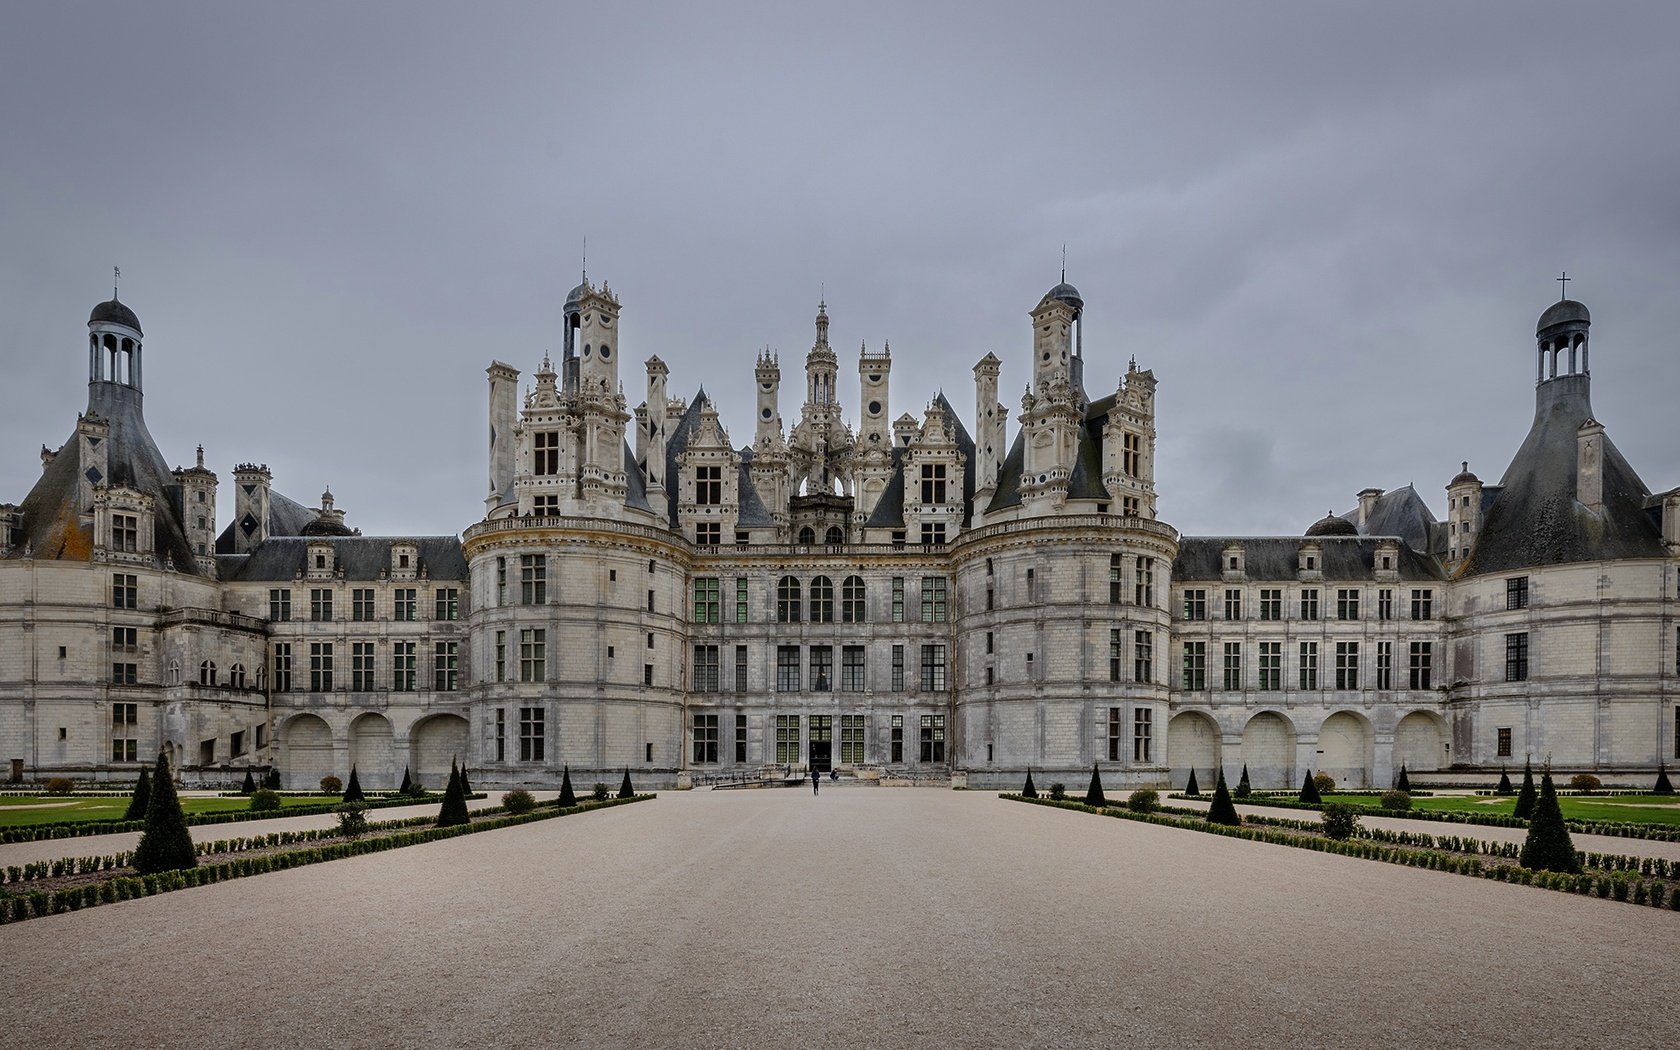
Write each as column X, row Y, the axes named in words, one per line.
column 250, row 784
column 1243, row 788
column 1190, row 786
column 1094, row 793
column 624, row 788
column 454, row 809
column 407, row 783
column 142, row 796
column 1663, row 786
column 1548, row 846
column 271, row 780
column 1309, row 791
column 1027, row 790
column 1404, row 783
column 353, row 790
column 567, row 798
column 466, row 785
column 1222, row 811
column 1504, row 787
column 1525, row 798
column 166, row 844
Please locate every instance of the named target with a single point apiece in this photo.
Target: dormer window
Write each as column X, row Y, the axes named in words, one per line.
column 708, row 486
column 125, row 533
column 545, row 453
column 933, row 483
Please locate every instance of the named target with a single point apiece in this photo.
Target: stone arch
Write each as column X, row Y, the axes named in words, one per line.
column 1346, row 749
column 433, row 743
column 1420, row 743
column 306, row 752
column 370, row 751
column 1193, row 743
column 1268, row 749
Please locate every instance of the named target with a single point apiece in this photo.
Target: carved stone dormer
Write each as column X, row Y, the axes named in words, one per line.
column 124, row 525
column 1309, row 564
column 405, row 560
column 708, row 493
column 321, row 561
column 1233, row 563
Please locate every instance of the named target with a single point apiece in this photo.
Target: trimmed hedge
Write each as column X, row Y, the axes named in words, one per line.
column 1607, row 828
column 71, row 829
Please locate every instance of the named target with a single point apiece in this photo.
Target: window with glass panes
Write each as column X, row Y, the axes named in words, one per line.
column 445, row 676
column 361, row 667
column 533, row 579
column 361, row 604
column 933, row 738
column 1195, row 665
column 1516, row 657
column 933, row 599
column 787, row 669
column 1423, row 604
column 1143, row 734
column 852, row 678
column 705, row 668
column 1116, row 729
column 1115, row 584
column 707, row 603
column 283, row 667
column 125, row 590
column 1233, row 603
column 1503, row 742
column 787, row 600
column 740, row 668
column 898, row 599
column 740, row 599
column 1233, row 665
column 822, row 668
column 1143, row 657
column 1115, row 654
column 405, row 604
column 1422, row 669
column 1143, row 590
column 705, row 739
column 787, row 739
column 402, row 667
column 1195, row 604
column 1309, row 603
column 1271, row 666
column 1385, row 604
column 708, row 487
column 1309, row 665
column 501, row 734
column 740, row 738
column 851, row 739
column 933, row 667
column 447, row 604
column 896, row 744
column 280, row 604
column 898, row 668
column 1271, row 603
column 852, row 607
column 1516, row 592
column 1347, row 603
column 320, row 667
column 545, row 453
column 822, row 600
column 1385, row 665
column 1347, row 665
column 320, row 604
column 532, row 734
column 125, row 533
column 533, row 654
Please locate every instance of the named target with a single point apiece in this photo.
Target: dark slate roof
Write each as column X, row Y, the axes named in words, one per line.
column 113, row 312
column 1277, row 558
column 635, row 491
column 286, row 517
column 1564, row 310
column 751, row 511
column 1330, row 525
column 1536, row 519
column 360, row 557
column 888, row 512
column 1401, row 513
column 1086, row 480
column 52, row 525
column 676, row 446
column 965, row 446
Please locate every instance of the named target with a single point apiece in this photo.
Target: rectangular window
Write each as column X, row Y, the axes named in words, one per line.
column 445, row 677
column 1347, row 665
column 448, row 604
column 1423, row 604
column 501, row 656
column 933, row 483
column 650, row 599
column 708, row 533
column 532, row 733
column 896, row 751
column 853, row 609
column 787, row 739
column 1143, row 657
column 1504, row 741
column 1195, row 665
column 545, row 453
column 1115, row 741
column 787, row 600
column 280, row 604
column 1195, row 604
column 501, row 734
column 1233, row 603
column 707, row 600
column 898, row 668
column 1131, row 448
column 1143, row 729
column 501, row 581
column 822, row 668
column 705, row 737
column 125, row 750
column 125, row 533
column 533, row 654
column 1115, row 583
column 740, row 668
column 851, row 739
column 1115, row 656
column 898, row 599
column 1385, row 665
column 1385, row 604
column 647, row 674
column 533, row 579
column 852, row 676
column 1271, row 603
column 705, row 668
column 740, row 738
column 125, row 715
column 1421, row 671
column 1516, row 657
column 1271, row 666
column 405, row 604
column 125, row 639
column 933, row 599
column 1309, row 665
column 283, row 667
column 1347, row 603
column 1309, row 603
column 1233, row 665
column 361, row 667
column 787, row 668
column 933, row 738
column 740, row 599
column 708, row 490
column 320, row 667
column 127, row 674
column 320, row 604
column 125, row 591
column 1516, row 592
column 933, row 667
column 1144, row 588
column 361, row 604
column 402, row 667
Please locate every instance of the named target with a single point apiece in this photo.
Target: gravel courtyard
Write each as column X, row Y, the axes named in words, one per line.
column 866, row 917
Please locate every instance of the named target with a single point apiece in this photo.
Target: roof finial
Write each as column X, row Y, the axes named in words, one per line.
column 1563, row 285
column 822, row 295
column 1064, row 262
column 116, row 275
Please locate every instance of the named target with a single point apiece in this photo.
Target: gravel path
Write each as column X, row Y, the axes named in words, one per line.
column 864, row 918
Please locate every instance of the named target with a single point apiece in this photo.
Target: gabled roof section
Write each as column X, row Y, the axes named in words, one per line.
column 358, row 557
column 889, row 509
column 965, row 445
column 1277, row 558
column 286, row 517
column 751, row 511
column 678, row 443
column 1401, row 513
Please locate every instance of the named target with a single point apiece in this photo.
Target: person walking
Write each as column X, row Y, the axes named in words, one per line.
column 816, row 780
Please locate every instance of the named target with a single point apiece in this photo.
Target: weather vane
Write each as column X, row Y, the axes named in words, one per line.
column 116, row 275
column 1563, row 285
column 1064, row 262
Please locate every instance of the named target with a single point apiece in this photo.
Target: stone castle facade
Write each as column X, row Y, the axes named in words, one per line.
column 908, row 596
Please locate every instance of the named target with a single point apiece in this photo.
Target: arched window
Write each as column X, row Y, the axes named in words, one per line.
column 174, row 672
column 207, row 673
column 236, row 676
column 835, row 536
column 822, row 600
column 807, row 535
column 851, row 600
column 787, row 600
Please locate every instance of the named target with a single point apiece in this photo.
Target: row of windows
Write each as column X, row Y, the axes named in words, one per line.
column 533, row 580
column 1345, row 674
column 705, row 736
column 814, row 669
column 405, row 604
column 404, row 667
column 1270, row 604
column 791, row 606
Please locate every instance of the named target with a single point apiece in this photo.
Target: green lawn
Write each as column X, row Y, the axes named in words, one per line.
column 1639, row 809
column 17, row 811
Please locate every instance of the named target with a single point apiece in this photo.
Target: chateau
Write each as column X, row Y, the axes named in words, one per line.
column 891, row 595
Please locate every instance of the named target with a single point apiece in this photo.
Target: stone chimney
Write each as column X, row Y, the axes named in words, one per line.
column 1367, row 504
column 1589, row 465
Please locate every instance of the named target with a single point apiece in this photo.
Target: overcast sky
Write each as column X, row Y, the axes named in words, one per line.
column 1327, row 227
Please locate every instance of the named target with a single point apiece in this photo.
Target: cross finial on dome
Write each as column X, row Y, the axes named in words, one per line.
column 116, row 275
column 1563, row 285
column 1064, row 262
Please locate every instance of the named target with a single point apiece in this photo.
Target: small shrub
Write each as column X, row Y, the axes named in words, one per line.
column 1027, row 789
column 1394, row 798
column 165, row 845
column 567, row 798
column 142, row 796
column 1144, row 800
column 1548, row 846
column 1324, row 782
column 1403, row 782
column 331, row 785
column 1221, row 811
column 1243, row 786
column 1058, row 791
column 518, row 801
column 265, row 800
column 353, row 790
column 1504, row 786
column 454, row 809
column 625, row 789
column 1663, row 787
column 1527, row 796
column 600, row 791
column 1585, row 783
column 407, row 787
column 249, row 785
column 60, row 786
column 1191, row 788
column 352, row 819
column 1309, row 795
column 1094, row 794
column 271, row 779
column 1341, row 819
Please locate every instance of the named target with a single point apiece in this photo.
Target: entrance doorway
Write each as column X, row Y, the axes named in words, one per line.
column 822, row 743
